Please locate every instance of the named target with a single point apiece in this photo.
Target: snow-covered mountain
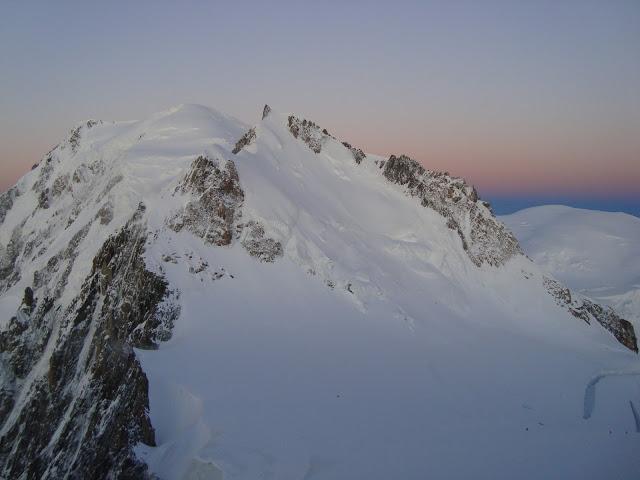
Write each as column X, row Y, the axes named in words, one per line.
column 597, row 253
column 190, row 297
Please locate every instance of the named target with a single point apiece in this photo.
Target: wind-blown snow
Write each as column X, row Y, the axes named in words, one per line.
column 597, row 253
column 373, row 348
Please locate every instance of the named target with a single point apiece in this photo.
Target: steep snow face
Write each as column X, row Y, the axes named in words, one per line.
column 277, row 304
column 375, row 347
column 596, row 253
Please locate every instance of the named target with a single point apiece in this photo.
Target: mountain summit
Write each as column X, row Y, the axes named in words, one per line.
column 187, row 296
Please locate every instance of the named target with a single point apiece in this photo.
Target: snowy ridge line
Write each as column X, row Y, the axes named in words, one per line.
column 188, row 296
column 483, row 236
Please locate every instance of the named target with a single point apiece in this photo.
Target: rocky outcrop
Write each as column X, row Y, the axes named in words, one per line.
column 9, row 268
column 74, row 400
column 214, row 209
column 586, row 310
column 358, row 155
column 53, row 277
column 245, row 140
column 215, row 196
column 105, row 214
column 46, row 168
column 47, row 190
column 76, row 134
column 314, row 137
column 266, row 111
column 60, row 185
column 485, row 239
column 308, row 132
column 6, row 202
column 254, row 240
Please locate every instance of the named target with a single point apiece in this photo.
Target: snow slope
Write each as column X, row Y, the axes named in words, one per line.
column 371, row 347
column 597, row 253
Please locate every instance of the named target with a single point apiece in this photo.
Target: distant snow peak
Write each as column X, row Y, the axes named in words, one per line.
column 593, row 252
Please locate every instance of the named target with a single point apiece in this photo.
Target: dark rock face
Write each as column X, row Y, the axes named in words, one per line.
column 28, row 301
column 43, row 199
column 9, row 270
column 308, row 132
column 48, row 190
column 105, row 214
column 76, row 134
column 59, row 186
column 53, row 277
column 587, row 311
column 6, row 202
column 266, row 111
column 216, row 199
column 46, row 169
column 215, row 209
column 485, row 239
column 40, row 186
column 245, row 140
column 74, row 398
column 358, row 155
column 258, row 245
column 311, row 134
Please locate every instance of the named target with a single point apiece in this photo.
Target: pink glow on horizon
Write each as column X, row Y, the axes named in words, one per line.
column 506, row 168
column 513, row 168
column 516, row 97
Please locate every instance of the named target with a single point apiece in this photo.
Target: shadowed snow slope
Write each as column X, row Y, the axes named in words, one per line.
column 596, row 253
column 293, row 310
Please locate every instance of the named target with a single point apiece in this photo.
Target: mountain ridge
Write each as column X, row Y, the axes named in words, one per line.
column 103, row 246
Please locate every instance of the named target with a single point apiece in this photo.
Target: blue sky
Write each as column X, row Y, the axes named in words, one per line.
column 535, row 99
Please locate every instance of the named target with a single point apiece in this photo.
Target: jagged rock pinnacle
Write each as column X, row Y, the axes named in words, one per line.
column 266, row 111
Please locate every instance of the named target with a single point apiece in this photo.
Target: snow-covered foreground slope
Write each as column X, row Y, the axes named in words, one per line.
column 597, row 253
column 214, row 301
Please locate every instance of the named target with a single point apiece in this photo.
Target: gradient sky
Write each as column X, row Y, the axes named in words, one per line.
column 522, row 98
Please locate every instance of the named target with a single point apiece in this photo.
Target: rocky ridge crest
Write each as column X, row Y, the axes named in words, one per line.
column 588, row 311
